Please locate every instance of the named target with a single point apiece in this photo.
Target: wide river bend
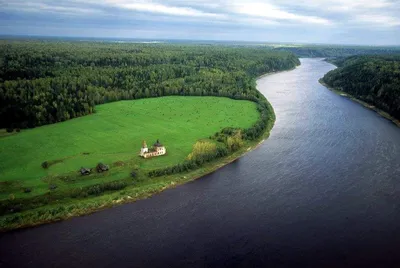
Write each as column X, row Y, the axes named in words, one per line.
column 322, row 191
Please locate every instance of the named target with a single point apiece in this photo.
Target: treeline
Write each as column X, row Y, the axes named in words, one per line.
column 373, row 79
column 333, row 51
column 45, row 82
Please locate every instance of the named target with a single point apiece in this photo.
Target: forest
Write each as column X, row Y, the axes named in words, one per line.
column 45, row 82
column 334, row 51
column 373, row 79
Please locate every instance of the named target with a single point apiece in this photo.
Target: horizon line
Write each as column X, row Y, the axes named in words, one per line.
column 32, row 36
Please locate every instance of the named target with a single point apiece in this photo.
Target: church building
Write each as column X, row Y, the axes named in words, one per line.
column 157, row 150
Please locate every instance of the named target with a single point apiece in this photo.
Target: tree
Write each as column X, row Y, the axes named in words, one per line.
column 235, row 142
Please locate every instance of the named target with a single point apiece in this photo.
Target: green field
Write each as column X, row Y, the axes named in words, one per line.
column 114, row 133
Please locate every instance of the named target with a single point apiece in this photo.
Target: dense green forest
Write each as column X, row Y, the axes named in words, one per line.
column 332, row 51
column 44, row 82
column 373, row 79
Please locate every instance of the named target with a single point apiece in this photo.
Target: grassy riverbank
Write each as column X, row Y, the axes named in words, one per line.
column 60, row 205
column 142, row 190
column 363, row 103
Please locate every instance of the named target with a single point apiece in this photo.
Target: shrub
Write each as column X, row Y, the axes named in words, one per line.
column 118, row 164
column 16, row 208
column 94, row 190
column 10, row 130
column 45, row 165
column 75, row 193
column 235, row 142
column 183, row 167
column 18, row 129
column 222, row 151
column 100, row 188
column 52, row 187
column 27, row 190
column 203, row 151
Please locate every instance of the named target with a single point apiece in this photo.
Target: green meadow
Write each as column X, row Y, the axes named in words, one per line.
column 113, row 135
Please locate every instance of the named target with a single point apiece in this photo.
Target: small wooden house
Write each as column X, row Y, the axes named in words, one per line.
column 85, row 171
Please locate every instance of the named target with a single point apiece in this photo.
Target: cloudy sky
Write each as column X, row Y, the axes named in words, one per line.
column 298, row 21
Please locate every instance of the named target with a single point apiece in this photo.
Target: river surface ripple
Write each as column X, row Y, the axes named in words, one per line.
column 322, row 191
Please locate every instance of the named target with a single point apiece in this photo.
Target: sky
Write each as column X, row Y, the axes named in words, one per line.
column 363, row 22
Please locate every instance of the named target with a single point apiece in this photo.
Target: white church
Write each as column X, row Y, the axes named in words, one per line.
column 157, row 150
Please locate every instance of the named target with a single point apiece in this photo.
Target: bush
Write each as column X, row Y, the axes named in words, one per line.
column 98, row 189
column 75, row 193
column 109, row 186
column 9, row 130
column 45, row 165
column 222, row 151
column 94, row 190
column 18, row 130
column 52, row 187
column 27, row 190
column 203, row 151
column 235, row 142
column 183, row 167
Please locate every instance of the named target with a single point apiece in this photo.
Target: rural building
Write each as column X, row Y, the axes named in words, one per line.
column 85, row 171
column 157, row 150
column 101, row 168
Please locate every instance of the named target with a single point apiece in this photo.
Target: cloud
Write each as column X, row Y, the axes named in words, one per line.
column 151, row 7
column 43, row 6
column 240, row 11
column 377, row 20
column 377, row 13
column 266, row 12
column 273, row 12
column 340, row 4
column 316, row 20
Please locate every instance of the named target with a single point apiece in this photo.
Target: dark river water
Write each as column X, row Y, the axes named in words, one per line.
column 322, row 191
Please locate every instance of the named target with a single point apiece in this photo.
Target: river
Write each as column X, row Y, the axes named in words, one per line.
column 322, row 191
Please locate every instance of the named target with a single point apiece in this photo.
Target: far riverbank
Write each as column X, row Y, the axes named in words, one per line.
column 363, row 103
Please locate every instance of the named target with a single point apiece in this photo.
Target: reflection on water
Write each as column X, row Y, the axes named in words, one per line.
column 322, row 191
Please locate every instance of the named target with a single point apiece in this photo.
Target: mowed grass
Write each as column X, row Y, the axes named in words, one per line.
column 115, row 133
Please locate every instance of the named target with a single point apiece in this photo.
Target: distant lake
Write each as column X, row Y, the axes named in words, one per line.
column 322, row 191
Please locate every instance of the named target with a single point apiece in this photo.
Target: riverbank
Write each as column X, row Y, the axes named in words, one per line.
column 363, row 103
column 65, row 209
column 276, row 72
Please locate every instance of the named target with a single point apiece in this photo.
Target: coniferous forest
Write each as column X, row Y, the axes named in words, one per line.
column 334, row 51
column 373, row 79
column 44, row 82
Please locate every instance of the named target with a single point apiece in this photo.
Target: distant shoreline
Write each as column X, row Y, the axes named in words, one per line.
column 363, row 103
